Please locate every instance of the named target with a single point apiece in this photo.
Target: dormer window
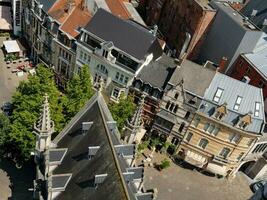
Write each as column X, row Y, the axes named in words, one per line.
column 237, row 103
column 257, row 109
column 219, row 115
column 243, row 125
column 221, row 112
column 218, row 95
column 245, row 121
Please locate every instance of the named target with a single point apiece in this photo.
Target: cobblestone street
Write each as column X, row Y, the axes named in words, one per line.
column 177, row 183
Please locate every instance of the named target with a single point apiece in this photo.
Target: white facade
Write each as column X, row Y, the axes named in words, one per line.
column 104, row 68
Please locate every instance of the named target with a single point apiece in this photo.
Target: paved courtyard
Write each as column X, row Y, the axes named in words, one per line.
column 177, row 183
column 8, row 80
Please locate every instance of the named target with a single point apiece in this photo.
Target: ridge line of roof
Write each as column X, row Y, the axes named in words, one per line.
column 99, row 96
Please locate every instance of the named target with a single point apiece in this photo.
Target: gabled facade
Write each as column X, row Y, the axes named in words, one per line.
column 181, row 99
column 227, row 124
column 151, row 83
column 116, row 51
column 86, row 159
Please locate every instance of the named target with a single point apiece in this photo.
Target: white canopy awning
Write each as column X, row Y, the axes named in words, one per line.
column 12, row 46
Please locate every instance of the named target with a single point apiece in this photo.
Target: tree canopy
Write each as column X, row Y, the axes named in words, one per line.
column 17, row 136
column 79, row 90
column 122, row 111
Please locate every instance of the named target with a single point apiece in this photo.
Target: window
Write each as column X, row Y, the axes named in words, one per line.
column 117, row 76
column 219, row 115
column 121, row 78
column 116, row 93
column 187, row 115
column 211, row 128
column 188, row 137
column 175, row 109
column 196, row 122
column 215, row 131
column 167, row 105
column 146, row 89
column 250, row 141
column 126, row 80
column 240, row 156
column 248, row 71
column 206, row 126
column 234, row 138
column 257, row 109
column 176, row 95
column 203, row 143
column 218, row 95
column 237, row 103
column 155, row 94
column 171, row 107
column 225, row 152
column 181, row 128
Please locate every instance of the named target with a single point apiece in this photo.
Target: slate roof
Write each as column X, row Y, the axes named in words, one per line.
column 196, row 78
column 261, row 7
column 47, row 4
column 158, row 73
column 231, row 89
column 83, row 170
column 74, row 175
column 127, row 36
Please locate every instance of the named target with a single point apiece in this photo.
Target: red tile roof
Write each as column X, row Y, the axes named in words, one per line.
column 78, row 18
column 118, row 8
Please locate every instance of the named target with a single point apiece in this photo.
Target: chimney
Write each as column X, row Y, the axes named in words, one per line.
column 185, row 45
column 222, row 65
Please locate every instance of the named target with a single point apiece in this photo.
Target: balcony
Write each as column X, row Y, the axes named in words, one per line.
column 221, row 160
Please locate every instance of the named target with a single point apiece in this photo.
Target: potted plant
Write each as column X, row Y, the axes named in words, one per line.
column 164, row 164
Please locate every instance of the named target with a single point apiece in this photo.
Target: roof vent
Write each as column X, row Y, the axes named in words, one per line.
column 92, row 151
column 245, row 79
column 99, row 179
column 254, row 13
column 86, row 126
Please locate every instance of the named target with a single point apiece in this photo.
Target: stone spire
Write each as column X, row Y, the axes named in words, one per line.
column 45, row 125
column 134, row 125
column 43, row 128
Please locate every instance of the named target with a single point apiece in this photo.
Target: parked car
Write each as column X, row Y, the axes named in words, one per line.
column 258, row 185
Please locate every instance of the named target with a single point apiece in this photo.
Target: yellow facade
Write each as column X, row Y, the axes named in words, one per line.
column 216, row 143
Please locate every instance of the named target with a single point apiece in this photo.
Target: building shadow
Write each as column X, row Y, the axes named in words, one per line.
column 20, row 179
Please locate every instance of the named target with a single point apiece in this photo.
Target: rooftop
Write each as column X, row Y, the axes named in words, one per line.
column 192, row 74
column 240, row 19
column 232, row 90
column 70, row 18
column 46, row 4
column 126, row 35
column 158, row 73
column 118, row 8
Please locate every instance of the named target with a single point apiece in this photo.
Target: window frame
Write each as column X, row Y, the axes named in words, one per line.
column 238, row 102
column 205, row 144
column 218, row 94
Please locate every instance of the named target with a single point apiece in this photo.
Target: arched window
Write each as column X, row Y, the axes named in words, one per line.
column 203, row 143
column 176, row 95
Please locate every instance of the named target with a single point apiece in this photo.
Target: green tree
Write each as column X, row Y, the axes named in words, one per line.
column 27, row 102
column 122, row 111
column 4, row 130
column 79, row 90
